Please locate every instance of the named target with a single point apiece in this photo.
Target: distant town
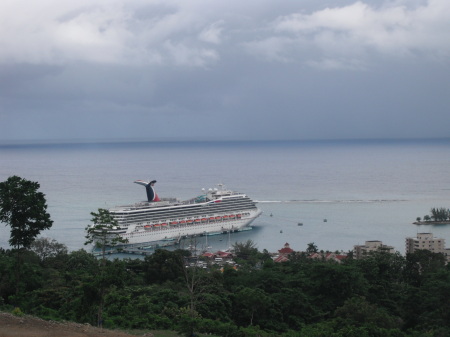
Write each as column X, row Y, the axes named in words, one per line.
column 423, row 241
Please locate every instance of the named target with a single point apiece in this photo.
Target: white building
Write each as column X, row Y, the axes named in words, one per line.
column 359, row 251
column 425, row 241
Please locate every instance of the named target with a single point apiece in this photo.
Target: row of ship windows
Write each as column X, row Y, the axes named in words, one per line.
column 182, row 213
column 203, row 220
column 162, row 219
column 247, row 203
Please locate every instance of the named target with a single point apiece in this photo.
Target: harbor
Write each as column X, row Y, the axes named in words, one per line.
column 195, row 243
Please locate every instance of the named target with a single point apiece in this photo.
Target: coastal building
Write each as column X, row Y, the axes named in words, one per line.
column 283, row 253
column 426, row 241
column 218, row 254
column 328, row 256
column 359, row 251
column 286, row 250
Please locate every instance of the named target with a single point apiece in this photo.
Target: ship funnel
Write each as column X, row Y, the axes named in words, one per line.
column 151, row 194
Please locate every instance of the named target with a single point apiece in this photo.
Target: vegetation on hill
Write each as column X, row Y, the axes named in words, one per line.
column 381, row 295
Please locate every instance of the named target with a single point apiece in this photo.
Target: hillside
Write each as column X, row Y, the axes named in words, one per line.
column 28, row 326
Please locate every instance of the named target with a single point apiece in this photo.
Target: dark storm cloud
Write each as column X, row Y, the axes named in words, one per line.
column 202, row 70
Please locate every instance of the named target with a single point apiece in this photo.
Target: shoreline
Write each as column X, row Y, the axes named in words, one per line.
column 431, row 223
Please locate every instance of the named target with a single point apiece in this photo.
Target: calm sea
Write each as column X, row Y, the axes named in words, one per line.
column 365, row 190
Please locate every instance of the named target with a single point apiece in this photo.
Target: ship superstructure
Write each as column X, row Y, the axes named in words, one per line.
column 217, row 210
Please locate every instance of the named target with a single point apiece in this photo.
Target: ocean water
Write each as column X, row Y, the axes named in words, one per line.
column 366, row 190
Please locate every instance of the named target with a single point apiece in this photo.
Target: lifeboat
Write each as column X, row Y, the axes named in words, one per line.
column 182, row 222
column 147, row 226
column 212, row 218
column 238, row 215
column 157, row 225
column 164, row 224
column 204, row 220
column 174, row 223
column 225, row 217
column 190, row 221
column 197, row 220
column 232, row 216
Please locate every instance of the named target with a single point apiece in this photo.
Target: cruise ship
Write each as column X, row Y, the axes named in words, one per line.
column 216, row 210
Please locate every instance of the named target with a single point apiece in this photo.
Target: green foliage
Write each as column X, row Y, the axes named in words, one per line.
column 164, row 265
column 312, row 248
column 23, row 208
column 46, row 248
column 440, row 214
column 246, row 252
column 17, row 312
column 359, row 312
column 382, row 295
column 99, row 232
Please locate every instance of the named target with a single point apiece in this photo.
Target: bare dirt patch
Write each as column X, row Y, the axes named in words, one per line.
column 27, row 326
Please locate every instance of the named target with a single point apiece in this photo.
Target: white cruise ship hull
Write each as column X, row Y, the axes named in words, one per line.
column 138, row 234
column 215, row 211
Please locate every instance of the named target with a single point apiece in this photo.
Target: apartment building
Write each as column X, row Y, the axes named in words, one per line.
column 359, row 251
column 425, row 241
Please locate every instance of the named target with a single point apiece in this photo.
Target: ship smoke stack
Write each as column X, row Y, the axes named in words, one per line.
column 151, row 194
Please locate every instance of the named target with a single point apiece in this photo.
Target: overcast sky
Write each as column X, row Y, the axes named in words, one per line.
column 219, row 70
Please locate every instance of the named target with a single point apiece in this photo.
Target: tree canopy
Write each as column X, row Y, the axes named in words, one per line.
column 99, row 233
column 24, row 209
column 381, row 295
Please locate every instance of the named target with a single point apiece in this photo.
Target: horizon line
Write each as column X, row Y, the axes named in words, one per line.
column 110, row 141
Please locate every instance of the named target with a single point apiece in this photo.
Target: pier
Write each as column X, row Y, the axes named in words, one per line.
column 148, row 248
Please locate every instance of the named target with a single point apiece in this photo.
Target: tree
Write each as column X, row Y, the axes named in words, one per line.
column 24, row 209
column 251, row 303
column 245, row 250
column 46, row 248
column 358, row 311
column 312, row 248
column 100, row 234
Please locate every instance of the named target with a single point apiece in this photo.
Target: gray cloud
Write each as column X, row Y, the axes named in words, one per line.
column 228, row 70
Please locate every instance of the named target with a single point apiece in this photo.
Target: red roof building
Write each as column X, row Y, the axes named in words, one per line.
column 224, row 255
column 286, row 250
column 209, row 255
column 284, row 253
column 329, row 257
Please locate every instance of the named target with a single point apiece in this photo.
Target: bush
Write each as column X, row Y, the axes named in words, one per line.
column 17, row 312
